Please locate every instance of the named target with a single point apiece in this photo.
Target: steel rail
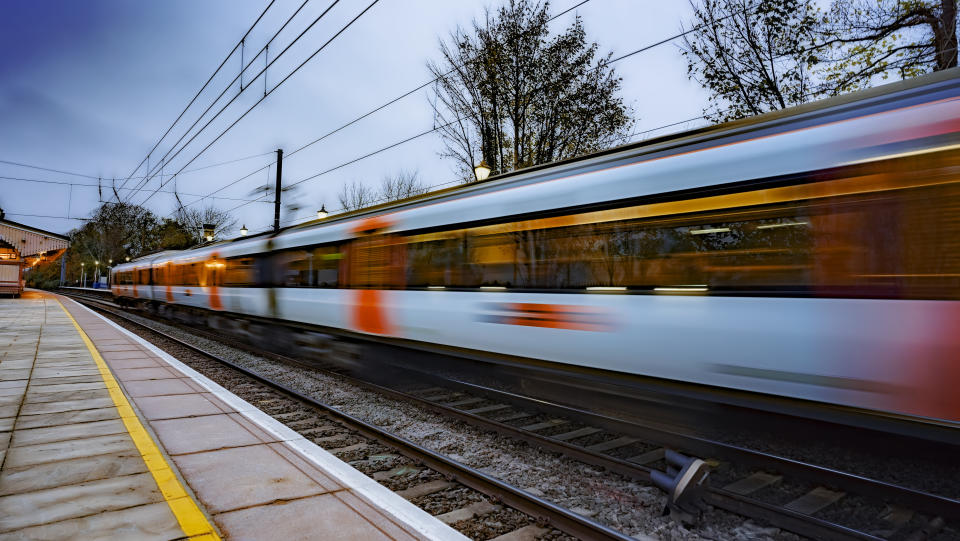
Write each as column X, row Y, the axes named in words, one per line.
column 934, row 505
column 545, row 512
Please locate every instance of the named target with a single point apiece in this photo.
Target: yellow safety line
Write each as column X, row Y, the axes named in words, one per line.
column 192, row 521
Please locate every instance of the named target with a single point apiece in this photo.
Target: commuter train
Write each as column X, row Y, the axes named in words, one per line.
column 811, row 253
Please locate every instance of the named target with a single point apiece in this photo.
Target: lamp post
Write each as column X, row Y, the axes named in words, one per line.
column 109, row 266
column 244, row 231
column 96, row 273
column 322, row 213
column 482, row 170
column 83, row 275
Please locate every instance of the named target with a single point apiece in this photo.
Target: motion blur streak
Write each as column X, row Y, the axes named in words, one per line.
column 812, row 254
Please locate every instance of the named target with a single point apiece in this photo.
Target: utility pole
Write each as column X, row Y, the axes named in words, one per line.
column 276, row 201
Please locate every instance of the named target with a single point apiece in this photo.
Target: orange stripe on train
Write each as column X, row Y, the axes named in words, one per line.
column 368, row 312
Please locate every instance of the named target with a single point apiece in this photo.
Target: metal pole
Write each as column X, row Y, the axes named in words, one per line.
column 276, row 201
column 63, row 267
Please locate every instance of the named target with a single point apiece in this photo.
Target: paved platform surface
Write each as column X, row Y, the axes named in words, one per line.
column 102, row 436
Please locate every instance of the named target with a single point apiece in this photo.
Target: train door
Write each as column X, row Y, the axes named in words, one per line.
column 374, row 264
column 213, row 270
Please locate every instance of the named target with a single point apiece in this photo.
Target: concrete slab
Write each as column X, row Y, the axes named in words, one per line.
column 151, row 522
column 281, row 521
column 61, row 503
column 70, row 472
column 173, row 406
column 221, row 486
column 35, row 436
column 206, row 433
column 28, row 455
column 67, row 417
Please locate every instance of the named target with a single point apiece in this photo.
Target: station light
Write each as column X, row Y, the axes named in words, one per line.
column 322, row 213
column 244, row 231
column 482, row 170
column 128, row 258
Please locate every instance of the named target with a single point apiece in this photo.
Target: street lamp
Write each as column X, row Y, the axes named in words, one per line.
column 482, row 170
column 83, row 276
column 244, row 231
column 322, row 213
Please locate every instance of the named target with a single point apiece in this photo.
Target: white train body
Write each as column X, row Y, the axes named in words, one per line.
column 895, row 353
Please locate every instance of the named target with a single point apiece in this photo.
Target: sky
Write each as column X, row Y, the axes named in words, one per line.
column 90, row 87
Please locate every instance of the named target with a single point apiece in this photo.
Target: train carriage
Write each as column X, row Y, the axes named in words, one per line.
column 812, row 254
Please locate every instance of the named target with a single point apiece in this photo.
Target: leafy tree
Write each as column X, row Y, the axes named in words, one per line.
column 174, row 235
column 753, row 57
column 509, row 93
column 871, row 39
column 760, row 56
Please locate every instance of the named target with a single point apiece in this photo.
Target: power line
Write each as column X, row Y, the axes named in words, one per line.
column 410, row 92
column 46, row 216
column 230, row 54
column 47, row 169
column 379, row 108
column 282, row 81
column 86, row 185
column 229, row 85
column 436, row 128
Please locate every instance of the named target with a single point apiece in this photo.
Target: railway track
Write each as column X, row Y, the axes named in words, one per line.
column 800, row 497
column 430, row 480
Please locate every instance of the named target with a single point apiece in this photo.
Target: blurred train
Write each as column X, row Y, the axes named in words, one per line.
column 812, row 253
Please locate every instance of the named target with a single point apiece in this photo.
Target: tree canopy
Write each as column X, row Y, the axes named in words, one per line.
column 513, row 95
column 764, row 55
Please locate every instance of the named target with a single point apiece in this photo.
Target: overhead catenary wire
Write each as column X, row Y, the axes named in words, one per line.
column 278, row 85
column 371, row 112
column 167, row 157
column 90, row 185
column 408, row 93
column 436, row 128
column 202, row 88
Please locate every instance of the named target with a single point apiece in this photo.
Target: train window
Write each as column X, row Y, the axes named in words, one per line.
column 376, row 261
column 312, row 267
column 240, row 272
column 825, row 240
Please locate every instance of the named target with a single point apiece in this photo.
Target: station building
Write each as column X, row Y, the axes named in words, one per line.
column 23, row 247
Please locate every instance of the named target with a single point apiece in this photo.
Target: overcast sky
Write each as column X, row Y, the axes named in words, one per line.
column 88, row 87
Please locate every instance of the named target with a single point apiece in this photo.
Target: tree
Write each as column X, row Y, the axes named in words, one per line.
column 752, row 57
column 512, row 95
column 872, row 39
column 401, row 186
column 194, row 219
column 354, row 195
column 777, row 53
column 174, row 235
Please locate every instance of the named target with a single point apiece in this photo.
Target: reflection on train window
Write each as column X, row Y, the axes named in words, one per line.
column 311, row 267
column 895, row 243
column 240, row 272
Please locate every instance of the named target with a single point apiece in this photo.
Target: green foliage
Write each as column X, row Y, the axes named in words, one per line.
column 513, row 95
column 866, row 41
column 752, row 56
column 765, row 55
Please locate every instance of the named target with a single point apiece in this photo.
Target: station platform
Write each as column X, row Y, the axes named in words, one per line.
column 104, row 436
